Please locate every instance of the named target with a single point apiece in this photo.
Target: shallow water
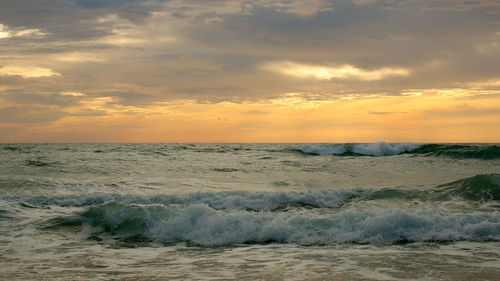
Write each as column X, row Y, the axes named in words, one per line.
column 249, row 211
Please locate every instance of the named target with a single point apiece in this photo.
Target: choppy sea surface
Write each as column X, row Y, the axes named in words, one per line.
column 250, row 211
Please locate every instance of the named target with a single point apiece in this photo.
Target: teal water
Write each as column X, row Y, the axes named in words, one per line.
column 250, row 211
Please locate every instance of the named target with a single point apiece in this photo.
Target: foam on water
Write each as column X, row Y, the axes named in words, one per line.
column 203, row 225
column 384, row 149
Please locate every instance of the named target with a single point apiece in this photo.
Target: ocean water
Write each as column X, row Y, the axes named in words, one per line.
column 250, row 211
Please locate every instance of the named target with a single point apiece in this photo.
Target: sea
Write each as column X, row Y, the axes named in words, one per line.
column 346, row 211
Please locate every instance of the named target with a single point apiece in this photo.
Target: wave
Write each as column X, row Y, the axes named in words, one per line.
column 373, row 149
column 5, row 210
column 480, row 187
column 486, row 152
column 12, row 148
column 203, row 225
column 237, row 200
column 37, row 163
column 485, row 187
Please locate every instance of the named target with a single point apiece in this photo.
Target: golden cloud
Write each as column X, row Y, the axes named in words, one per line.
column 27, row 71
column 327, row 73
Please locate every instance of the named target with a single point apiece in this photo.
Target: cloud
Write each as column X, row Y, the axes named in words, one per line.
column 133, row 10
column 381, row 112
column 6, row 32
column 128, row 98
column 29, row 114
column 59, row 100
column 79, row 57
column 3, row 32
column 27, row 71
column 95, row 4
column 256, row 112
column 493, row 6
column 72, row 94
column 339, row 72
column 303, row 8
column 363, row 2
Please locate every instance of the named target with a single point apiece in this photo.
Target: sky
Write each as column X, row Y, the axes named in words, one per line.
column 249, row 71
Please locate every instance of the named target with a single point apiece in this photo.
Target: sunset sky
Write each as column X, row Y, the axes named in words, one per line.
column 249, row 71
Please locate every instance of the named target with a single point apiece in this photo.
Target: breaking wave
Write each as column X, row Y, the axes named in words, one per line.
column 484, row 151
column 203, row 225
column 373, row 149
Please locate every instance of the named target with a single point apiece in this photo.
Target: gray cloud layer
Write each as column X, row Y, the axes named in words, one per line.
column 141, row 52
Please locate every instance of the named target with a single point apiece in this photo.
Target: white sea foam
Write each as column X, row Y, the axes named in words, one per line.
column 373, row 149
column 384, row 149
column 203, row 225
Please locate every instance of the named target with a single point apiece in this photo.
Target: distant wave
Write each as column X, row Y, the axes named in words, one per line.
column 12, row 148
column 373, row 149
column 460, row 151
column 464, row 151
column 384, row 149
column 37, row 163
column 203, row 225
